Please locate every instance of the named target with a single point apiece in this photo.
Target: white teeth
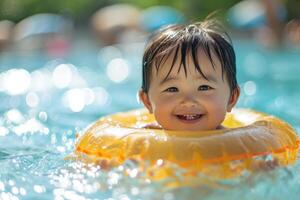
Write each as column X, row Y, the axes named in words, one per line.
column 189, row 117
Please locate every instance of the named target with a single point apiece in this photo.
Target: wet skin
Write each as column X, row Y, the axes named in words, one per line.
column 189, row 101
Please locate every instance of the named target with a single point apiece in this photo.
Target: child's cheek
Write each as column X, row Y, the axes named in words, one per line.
column 215, row 102
column 165, row 101
column 169, row 98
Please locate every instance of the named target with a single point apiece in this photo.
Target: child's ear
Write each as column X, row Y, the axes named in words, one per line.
column 145, row 99
column 233, row 99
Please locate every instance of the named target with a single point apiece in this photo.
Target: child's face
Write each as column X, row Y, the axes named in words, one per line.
column 189, row 102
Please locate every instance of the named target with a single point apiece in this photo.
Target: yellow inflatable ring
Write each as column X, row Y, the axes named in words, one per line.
column 223, row 153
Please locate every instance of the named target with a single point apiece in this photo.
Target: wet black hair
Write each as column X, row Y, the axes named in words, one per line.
column 185, row 40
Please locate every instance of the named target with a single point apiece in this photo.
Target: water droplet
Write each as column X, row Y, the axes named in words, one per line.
column 39, row 188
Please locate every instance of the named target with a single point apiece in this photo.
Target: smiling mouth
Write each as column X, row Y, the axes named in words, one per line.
column 189, row 117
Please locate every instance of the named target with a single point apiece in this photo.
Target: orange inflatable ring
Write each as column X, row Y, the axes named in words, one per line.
column 250, row 137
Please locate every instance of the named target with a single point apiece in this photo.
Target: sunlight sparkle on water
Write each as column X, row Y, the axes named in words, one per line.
column 101, row 95
column 3, row 132
column 113, row 178
column 89, row 96
column 39, row 188
column 23, row 191
column 117, row 70
column 2, row 186
column 15, row 116
column 11, row 182
column 61, row 194
column 77, row 99
column 8, row 196
column 135, row 191
column 133, row 173
column 31, row 126
column 15, row 81
column 41, row 80
column 61, row 149
column 62, row 76
column 74, row 99
column 15, row 190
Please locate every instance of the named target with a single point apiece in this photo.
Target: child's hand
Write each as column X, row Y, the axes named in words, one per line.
column 265, row 165
column 153, row 125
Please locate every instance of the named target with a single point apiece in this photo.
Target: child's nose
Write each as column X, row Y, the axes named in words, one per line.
column 189, row 101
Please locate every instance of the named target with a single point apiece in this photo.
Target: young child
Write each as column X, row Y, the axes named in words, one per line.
column 189, row 77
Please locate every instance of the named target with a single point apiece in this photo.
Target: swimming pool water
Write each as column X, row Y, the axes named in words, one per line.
column 45, row 102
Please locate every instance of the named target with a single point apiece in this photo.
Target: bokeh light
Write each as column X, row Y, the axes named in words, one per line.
column 62, row 76
column 89, row 96
column 117, row 70
column 32, row 99
column 250, row 88
column 39, row 188
column 101, row 96
column 74, row 99
column 3, row 132
column 78, row 98
column 41, row 80
column 15, row 116
column 15, row 81
column 108, row 53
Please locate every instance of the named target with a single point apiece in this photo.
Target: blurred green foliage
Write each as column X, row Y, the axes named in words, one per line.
column 81, row 10
column 192, row 9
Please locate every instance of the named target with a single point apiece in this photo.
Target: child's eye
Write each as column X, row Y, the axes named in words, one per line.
column 204, row 87
column 171, row 89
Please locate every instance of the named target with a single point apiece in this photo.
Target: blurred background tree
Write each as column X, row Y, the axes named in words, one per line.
column 79, row 10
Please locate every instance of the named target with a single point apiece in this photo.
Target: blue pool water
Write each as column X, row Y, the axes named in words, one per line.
column 45, row 102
